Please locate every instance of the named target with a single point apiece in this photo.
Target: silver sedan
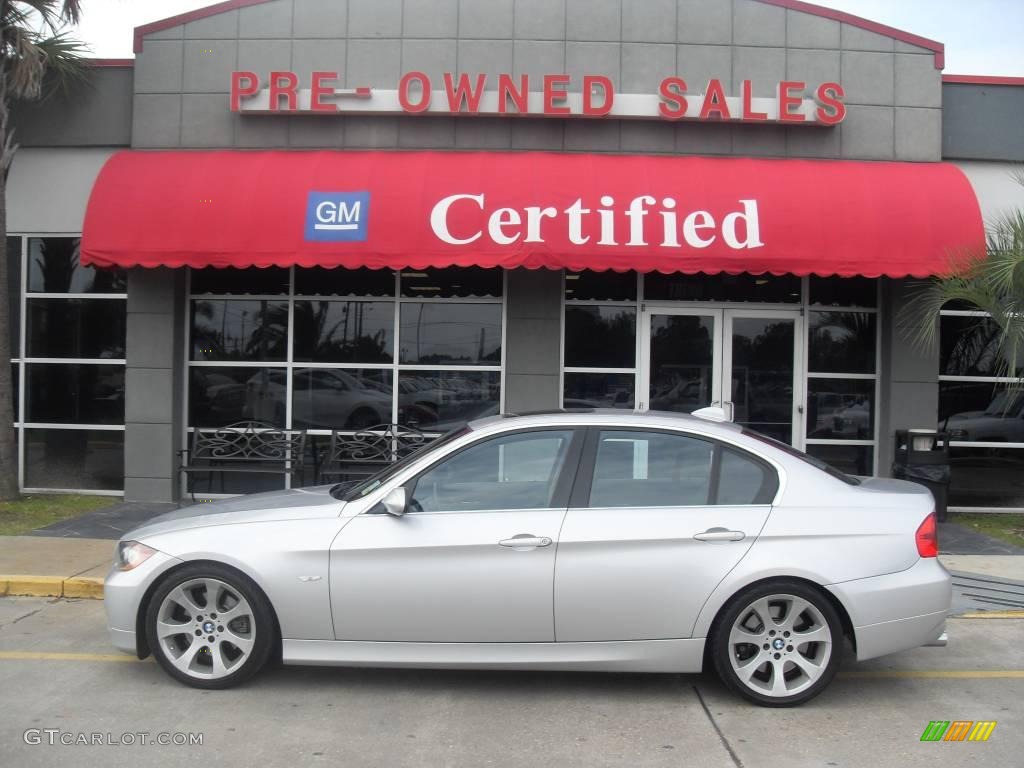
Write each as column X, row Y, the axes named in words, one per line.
column 600, row 540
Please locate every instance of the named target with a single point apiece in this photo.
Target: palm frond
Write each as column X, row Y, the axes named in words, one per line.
column 994, row 285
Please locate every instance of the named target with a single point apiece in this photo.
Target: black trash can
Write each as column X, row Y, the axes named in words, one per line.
column 922, row 456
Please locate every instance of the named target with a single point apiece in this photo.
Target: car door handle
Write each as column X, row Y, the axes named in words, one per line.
column 526, row 541
column 720, row 534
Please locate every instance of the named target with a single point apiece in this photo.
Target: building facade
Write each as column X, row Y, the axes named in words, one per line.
column 196, row 281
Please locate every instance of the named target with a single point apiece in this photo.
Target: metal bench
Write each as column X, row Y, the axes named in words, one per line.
column 352, row 456
column 253, row 447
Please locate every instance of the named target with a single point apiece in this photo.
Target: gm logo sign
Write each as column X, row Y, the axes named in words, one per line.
column 337, row 216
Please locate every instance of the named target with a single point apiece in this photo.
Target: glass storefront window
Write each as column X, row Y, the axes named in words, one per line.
column 58, row 393
column 341, row 398
column 254, row 281
column 841, row 409
column 987, row 477
column 220, row 395
column 437, row 401
column 600, row 336
column 53, row 267
column 842, row 342
column 344, row 331
column 980, row 402
column 13, row 289
column 599, row 390
column 342, row 352
column 785, row 289
column 600, row 286
column 843, row 291
column 452, row 282
column 318, row 281
column 74, row 459
column 450, row 334
column 981, row 412
column 69, row 312
column 80, row 328
column 237, row 330
column 851, row 459
column 969, row 346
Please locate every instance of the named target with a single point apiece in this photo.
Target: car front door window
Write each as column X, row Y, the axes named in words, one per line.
column 517, row 471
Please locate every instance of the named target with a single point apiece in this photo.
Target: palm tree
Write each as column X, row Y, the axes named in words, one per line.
column 35, row 49
column 993, row 284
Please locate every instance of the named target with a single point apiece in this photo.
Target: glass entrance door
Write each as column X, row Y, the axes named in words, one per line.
column 681, row 368
column 746, row 361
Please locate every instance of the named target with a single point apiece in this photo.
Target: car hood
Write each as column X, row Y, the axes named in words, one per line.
column 295, row 504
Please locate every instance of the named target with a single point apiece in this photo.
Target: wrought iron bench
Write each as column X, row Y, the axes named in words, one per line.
column 244, row 447
column 352, row 456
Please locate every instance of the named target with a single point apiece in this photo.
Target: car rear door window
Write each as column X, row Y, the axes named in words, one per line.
column 651, row 469
column 661, row 469
column 518, row 471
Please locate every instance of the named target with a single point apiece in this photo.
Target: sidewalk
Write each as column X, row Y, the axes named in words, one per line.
column 52, row 567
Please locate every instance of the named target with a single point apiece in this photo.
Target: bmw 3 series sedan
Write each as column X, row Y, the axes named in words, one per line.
column 599, row 541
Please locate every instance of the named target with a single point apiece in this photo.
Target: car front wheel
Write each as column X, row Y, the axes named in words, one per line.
column 209, row 626
column 777, row 644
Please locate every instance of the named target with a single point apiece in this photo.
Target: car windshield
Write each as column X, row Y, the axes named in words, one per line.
column 350, row 492
column 817, row 463
column 1006, row 404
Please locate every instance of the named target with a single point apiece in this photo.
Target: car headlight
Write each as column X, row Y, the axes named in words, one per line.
column 132, row 554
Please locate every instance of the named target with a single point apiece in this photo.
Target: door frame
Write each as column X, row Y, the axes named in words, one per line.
column 723, row 316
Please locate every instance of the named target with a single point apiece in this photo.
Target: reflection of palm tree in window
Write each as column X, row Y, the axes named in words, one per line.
column 334, row 331
column 57, row 262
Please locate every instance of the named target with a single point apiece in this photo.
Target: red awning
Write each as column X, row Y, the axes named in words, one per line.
column 437, row 209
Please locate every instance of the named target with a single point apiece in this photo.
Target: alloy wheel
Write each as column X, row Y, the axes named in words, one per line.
column 780, row 645
column 206, row 628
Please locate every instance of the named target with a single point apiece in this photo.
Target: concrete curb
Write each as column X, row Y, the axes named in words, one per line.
column 86, row 587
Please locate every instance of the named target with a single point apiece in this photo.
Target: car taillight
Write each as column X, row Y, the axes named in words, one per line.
column 927, row 537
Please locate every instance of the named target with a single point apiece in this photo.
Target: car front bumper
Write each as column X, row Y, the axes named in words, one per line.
column 898, row 611
column 122, row 595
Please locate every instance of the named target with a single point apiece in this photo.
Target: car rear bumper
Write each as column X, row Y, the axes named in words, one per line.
column 898, row 611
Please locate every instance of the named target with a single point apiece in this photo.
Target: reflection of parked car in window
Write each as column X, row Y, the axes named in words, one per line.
column 326, row 398
column 1001, row 422
column 853, row 421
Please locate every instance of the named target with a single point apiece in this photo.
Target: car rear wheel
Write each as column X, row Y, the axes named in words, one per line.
column 777, row 644
column 209, row 626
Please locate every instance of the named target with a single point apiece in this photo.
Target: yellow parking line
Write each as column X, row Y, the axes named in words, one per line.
column 991, row 615
column 940, row 674
column 53, row 656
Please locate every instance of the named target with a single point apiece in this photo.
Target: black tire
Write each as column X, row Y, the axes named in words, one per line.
column 720, row 650
column 264, row 628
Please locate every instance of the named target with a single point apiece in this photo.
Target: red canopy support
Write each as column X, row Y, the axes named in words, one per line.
column 436, row 209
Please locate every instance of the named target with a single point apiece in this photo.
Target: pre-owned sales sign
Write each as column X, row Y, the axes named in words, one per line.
column 793, row 102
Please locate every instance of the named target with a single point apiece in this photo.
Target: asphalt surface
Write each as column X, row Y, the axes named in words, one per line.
column 873, row 714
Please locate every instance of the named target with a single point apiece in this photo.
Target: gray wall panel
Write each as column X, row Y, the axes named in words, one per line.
column 98, row 115
column 982, row 122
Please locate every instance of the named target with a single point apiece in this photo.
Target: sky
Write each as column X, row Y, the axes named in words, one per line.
column 982, row 37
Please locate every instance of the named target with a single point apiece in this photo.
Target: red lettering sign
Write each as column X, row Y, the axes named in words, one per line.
column 284, row 84
column 243, row 84
column 403, row 92
column 552, row 94
column 321, row 88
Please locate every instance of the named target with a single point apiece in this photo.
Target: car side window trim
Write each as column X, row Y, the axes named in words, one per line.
column 580, row 497
column 563, row 485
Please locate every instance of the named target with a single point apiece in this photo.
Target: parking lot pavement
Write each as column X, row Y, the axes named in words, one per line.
column 57, row 671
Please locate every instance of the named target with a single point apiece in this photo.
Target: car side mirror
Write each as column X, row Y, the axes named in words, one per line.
column 394, row 503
